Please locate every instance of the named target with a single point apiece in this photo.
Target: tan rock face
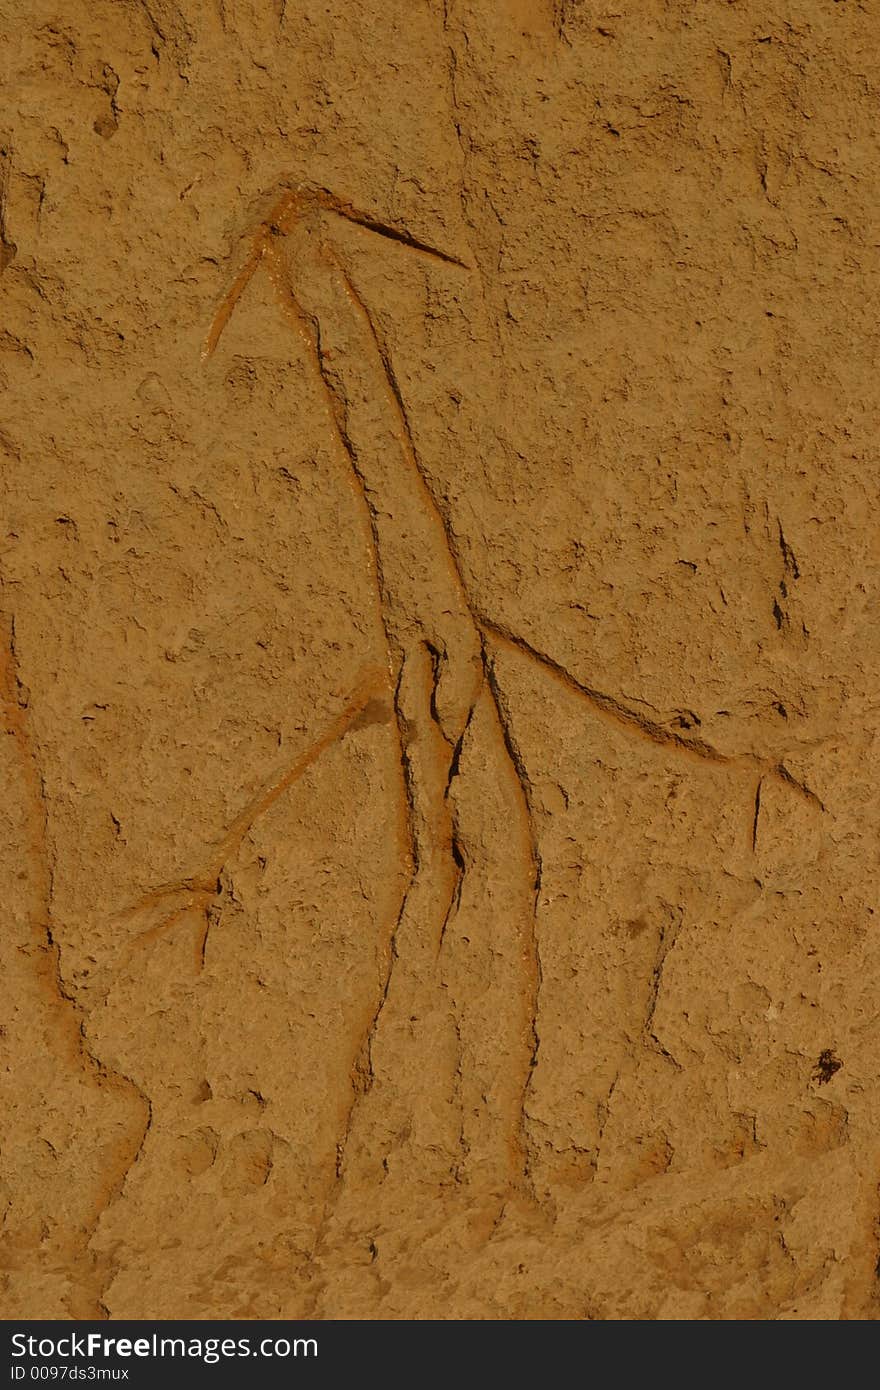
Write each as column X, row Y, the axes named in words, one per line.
column 439, row 660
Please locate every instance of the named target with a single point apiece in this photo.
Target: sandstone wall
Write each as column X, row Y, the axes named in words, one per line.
column 438, row 582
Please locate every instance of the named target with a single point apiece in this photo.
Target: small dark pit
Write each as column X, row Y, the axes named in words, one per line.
column 826, row 1067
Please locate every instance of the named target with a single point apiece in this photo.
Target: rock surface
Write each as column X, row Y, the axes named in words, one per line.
column 438, row 640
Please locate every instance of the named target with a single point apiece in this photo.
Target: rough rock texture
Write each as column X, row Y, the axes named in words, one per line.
column 439, row 659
